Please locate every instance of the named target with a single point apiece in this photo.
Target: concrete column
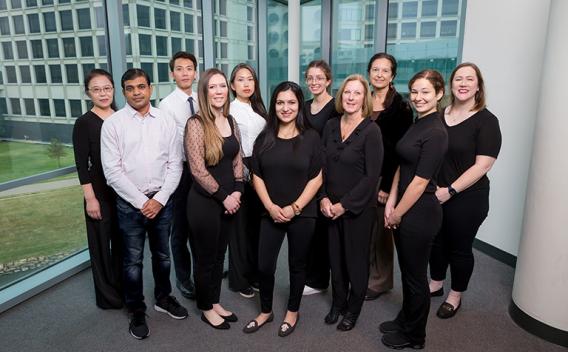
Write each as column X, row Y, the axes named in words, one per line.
column 541, row 277
column 294, row 40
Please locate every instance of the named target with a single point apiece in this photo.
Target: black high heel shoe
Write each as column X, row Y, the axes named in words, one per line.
column 333, row 316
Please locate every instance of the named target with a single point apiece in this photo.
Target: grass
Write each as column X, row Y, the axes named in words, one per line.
column 19, row 159
column 41, row 224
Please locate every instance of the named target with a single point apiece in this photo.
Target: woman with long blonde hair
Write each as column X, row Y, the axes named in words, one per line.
column 212, row 147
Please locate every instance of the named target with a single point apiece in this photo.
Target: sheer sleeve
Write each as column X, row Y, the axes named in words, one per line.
column 238, row 160
column 195, row 153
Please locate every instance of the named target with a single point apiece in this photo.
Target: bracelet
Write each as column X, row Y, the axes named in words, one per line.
column 296, row 208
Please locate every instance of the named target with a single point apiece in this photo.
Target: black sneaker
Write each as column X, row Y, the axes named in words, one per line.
column 247, row 292
column 138, row 327
column 171, row 306
column 188, row 290
column 255, row 286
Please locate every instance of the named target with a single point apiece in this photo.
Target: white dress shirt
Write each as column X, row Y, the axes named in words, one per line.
column 176, row 105
column 250, row 124
column 141, row 155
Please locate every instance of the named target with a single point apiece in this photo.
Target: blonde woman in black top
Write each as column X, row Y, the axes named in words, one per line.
column 103, row 235
column 352, row 164
column 474, row 144
column 413, row 210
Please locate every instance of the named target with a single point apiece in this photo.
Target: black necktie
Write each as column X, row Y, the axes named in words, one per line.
column 190, row 99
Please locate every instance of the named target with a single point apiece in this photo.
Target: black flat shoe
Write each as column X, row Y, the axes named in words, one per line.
column 230, row 318
column 253, row 325
column 388, row 327
column 286, row 328
column 348, row 322
column 223, row 326
column 398, row 341
column 437, row 293
column 333, row 316
column 447, row 310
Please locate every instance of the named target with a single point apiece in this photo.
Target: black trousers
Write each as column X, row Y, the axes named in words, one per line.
column 210, row 230
column 318, row 270
column 349, row 240
column 105, row 250
column 381, row 256
column 179, row 238
column 463, row 215
column 300, row 232
column 243, row 244
column 413, row 240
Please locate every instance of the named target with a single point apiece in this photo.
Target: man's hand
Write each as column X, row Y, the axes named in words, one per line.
column 151, row 208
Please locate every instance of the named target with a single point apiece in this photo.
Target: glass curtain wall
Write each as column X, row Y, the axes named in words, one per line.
column 310, row 46
column 47, row 49
column 353, row 35
column 277, row 44
column 424, row 34
column 235, row 32
column 154, row 31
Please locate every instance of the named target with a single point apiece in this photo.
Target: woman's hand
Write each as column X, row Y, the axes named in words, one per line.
column 337, row 210
column 443, row 195
column 237, row 196
column 389, row 209
column 288, row 211
column 231, row 204
column 94, row 209
column 277, row 214
column 382, row 197
column 393, row 220
column 325, row 207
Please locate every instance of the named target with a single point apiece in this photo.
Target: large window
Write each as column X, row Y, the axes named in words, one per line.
column 310, row 47
column 428, row 37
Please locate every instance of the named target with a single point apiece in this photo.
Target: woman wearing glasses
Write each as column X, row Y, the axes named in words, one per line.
column 103, row 235
column 318, row 111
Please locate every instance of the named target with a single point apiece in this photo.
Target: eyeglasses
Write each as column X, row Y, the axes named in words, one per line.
column 316, row 79
column 99, row 90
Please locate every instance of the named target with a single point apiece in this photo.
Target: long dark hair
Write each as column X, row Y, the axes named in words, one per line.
column 392, row 91
column 267, row 137
column 99, row 72
column 256, row 98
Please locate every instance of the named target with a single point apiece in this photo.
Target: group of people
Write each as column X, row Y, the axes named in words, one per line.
column 343, row 178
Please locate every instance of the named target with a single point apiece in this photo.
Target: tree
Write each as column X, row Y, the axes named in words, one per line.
column 56, row 150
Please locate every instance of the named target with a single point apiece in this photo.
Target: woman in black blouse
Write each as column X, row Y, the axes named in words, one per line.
column 413, row 210
column 394, row 116
column 286, row 166
column 103, row 236
column 318, row 111
column 352, row 165
column 212, row 147
column 474, row 144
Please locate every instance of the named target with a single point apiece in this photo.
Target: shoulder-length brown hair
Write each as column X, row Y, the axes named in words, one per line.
column 479, row 95
column 367, row 108
column 213, row 141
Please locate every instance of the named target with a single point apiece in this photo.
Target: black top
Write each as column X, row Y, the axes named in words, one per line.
column 421, row 152
column 394, row 121
column 352, row 168
column 87, row 149
column 287, row 167
column 318, row 121
column 478, row 135
column 223, row 171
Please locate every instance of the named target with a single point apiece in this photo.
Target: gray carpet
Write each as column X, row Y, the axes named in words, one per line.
column 65, row 318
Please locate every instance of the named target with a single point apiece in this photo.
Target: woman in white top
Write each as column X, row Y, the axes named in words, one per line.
column 250, row 113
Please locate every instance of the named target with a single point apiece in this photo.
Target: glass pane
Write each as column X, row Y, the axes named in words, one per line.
column 353, row 39
column 154, row 31
column 310, row 36
column 277, row 45
column 425, row 40
column 234, row 20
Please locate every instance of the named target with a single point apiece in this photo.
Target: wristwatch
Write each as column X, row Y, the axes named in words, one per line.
column 452, row 191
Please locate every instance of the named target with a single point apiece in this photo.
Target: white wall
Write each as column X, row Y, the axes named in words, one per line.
column 506, row 39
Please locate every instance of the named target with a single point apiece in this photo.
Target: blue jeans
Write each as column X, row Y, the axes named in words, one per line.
column 133, row 226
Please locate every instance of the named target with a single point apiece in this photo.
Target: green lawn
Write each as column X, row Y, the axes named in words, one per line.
column 41, row 224
column 18, row 159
